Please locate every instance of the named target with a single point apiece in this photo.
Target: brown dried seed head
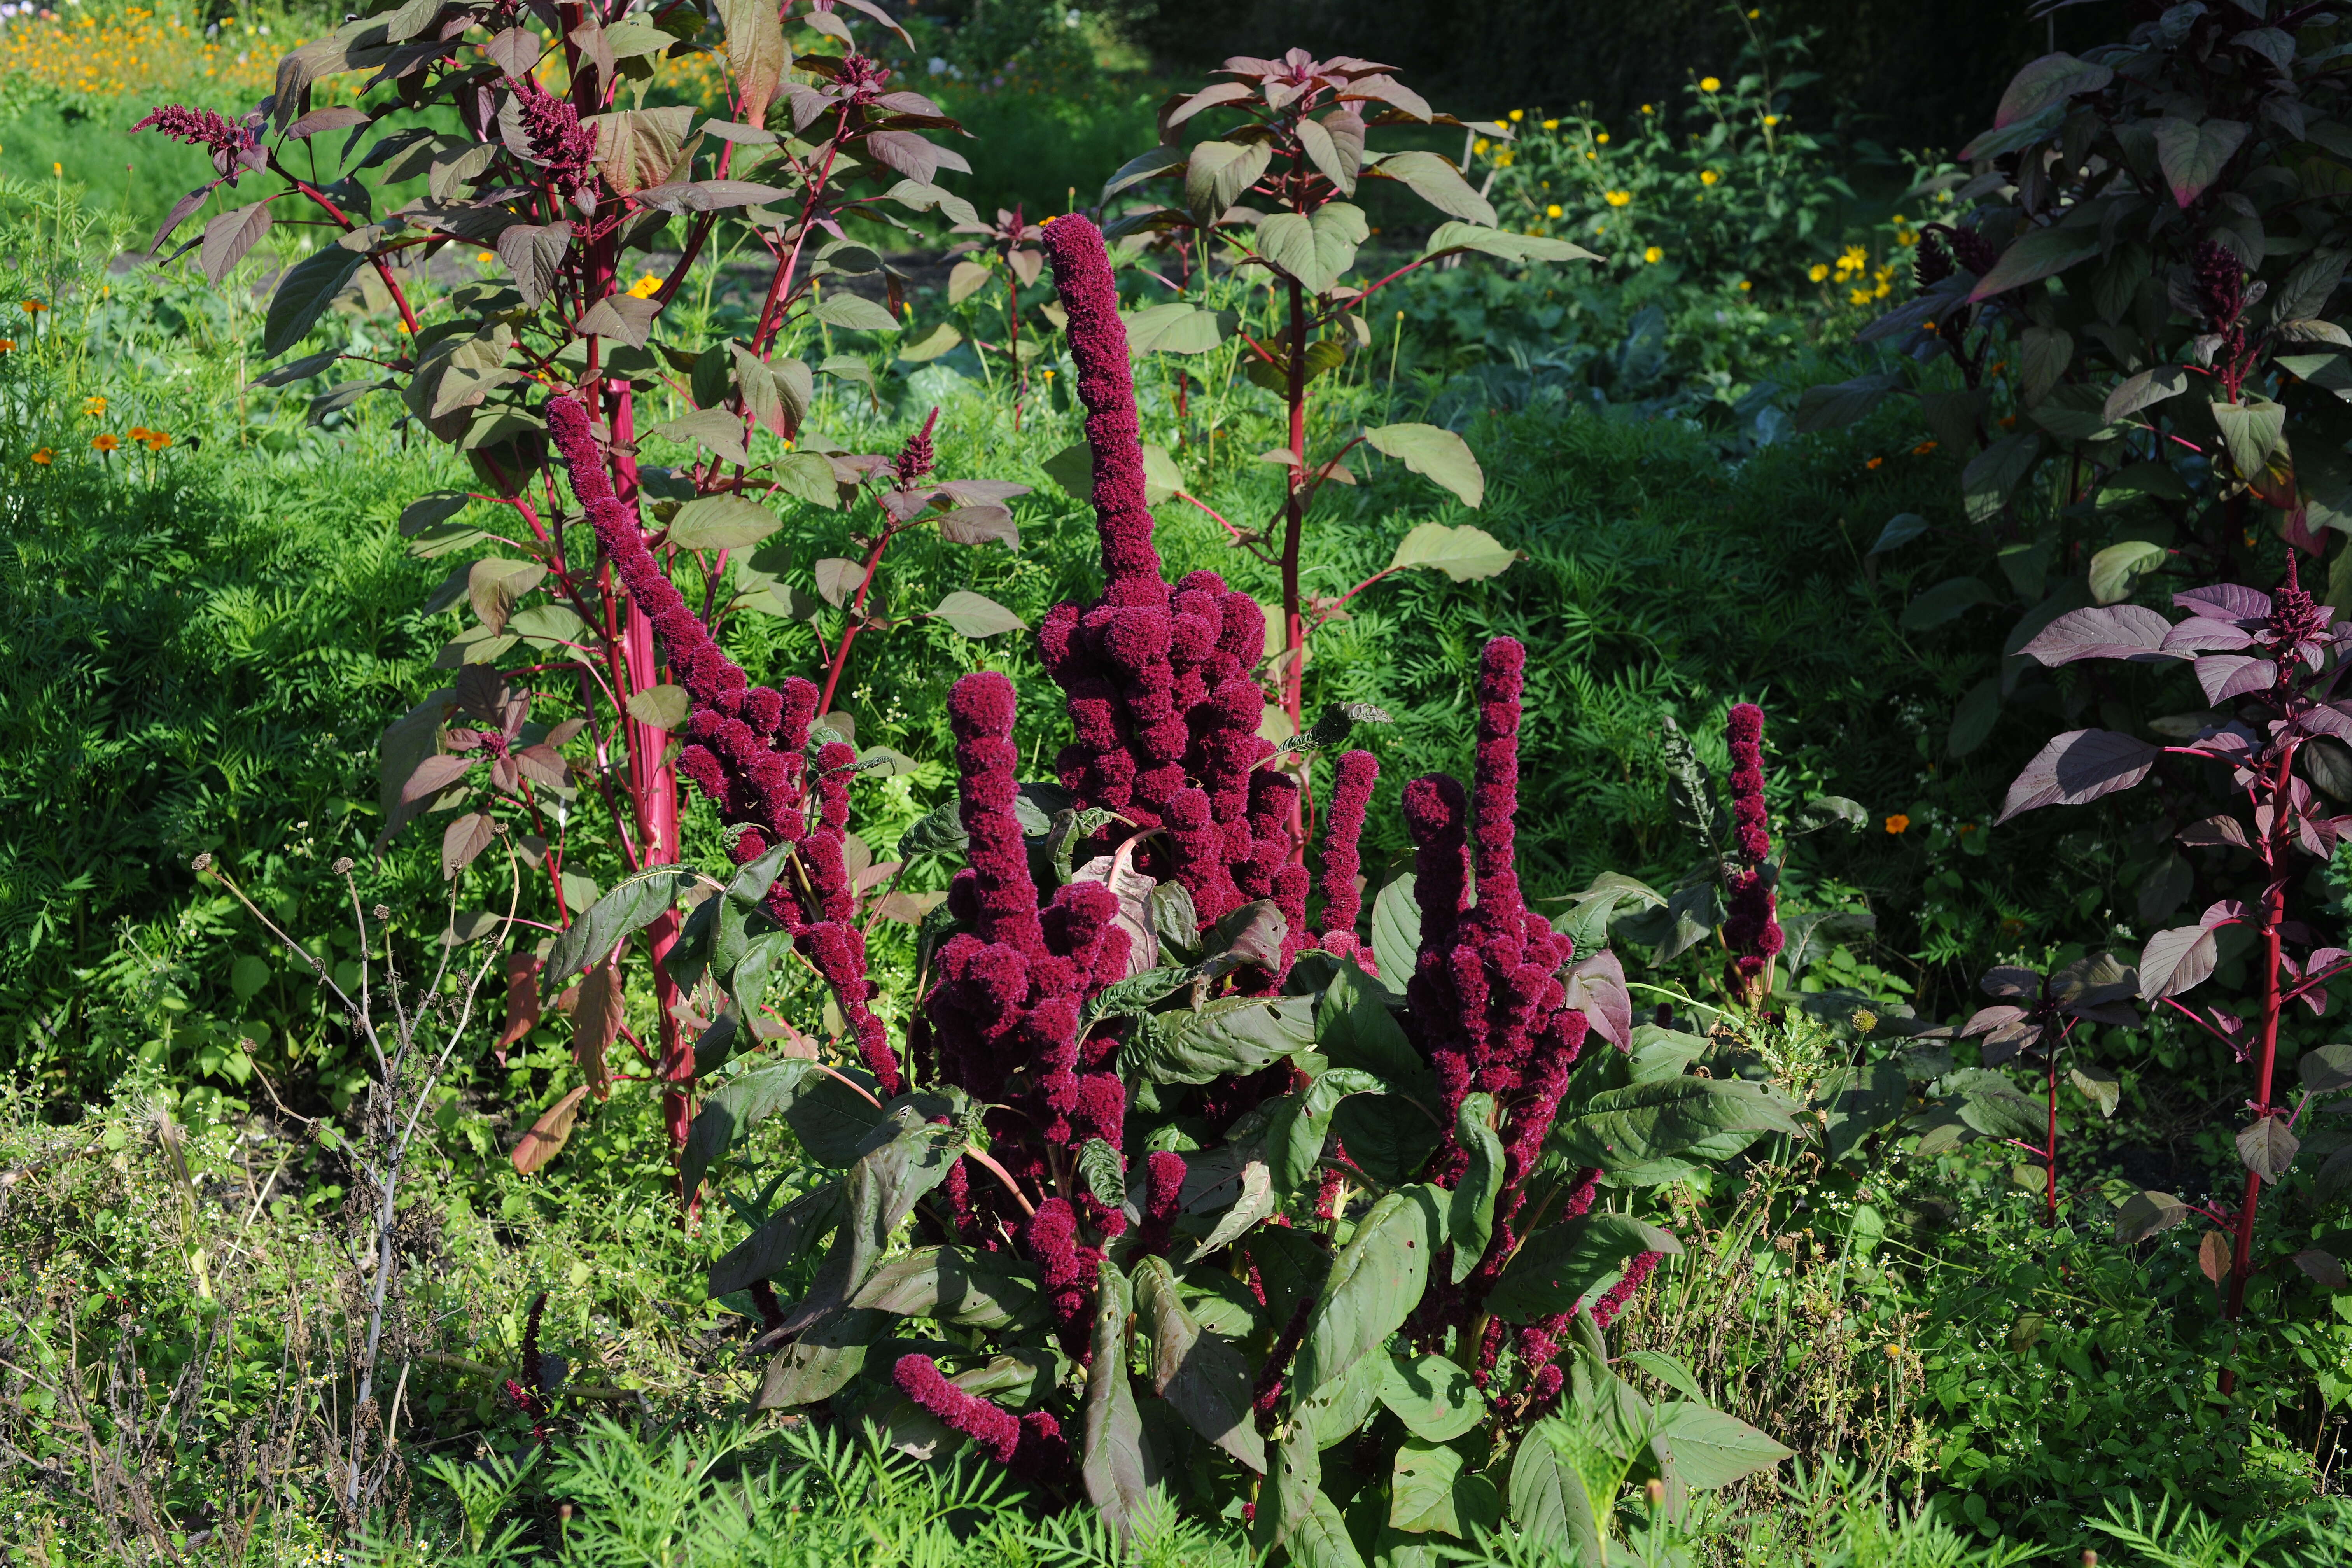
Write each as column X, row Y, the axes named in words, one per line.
column 342, row 867
column 201, row 864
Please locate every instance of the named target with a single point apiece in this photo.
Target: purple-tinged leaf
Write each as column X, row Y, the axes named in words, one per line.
column 434, row 774
column 1987, row 1019
column 2051, row 80
column 2227, row 675
column 2010, row 980
column 2077, row 767
column 2202, row 634
column 1596, row 988
column 2143, row 1215
column 2228, row 911
column 2225, row 601
column 2232, row 743
column 2322, row 1266
column 178, row 216
column 2216, row 830
column 2268, row 1148
column 2175, row 961
column 1209, row 97
column 2326, row 719
column 2131, row 632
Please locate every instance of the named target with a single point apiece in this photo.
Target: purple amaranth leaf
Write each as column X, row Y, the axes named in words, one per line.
column 1987, row 1019
column 2226, row 602
column 2203, row 633
column 2326, row 719
column 2228, row 911
column 2010, row 980
column 2227, row 675
column 2216, row 830
column 1596, row 988
column 2175, row 961
column 2131, row 632
column 2077, row 767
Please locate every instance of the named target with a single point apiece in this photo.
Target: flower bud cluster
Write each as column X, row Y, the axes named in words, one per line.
column 746, row 751
column 1750, row 927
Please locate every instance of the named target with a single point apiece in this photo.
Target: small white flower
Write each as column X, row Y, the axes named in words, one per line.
column 938, row 65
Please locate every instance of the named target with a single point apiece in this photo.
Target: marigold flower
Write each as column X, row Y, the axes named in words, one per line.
column 1618, row 198
column 645, row 288
column 43, row 456
column 157, row 440
column 93, row 407
column 138, row 432
column 1653, row 254
column 1898, row 824
column 32, row 307
column 7, row 345
column 1710, row 84
column 104, row 442
column 1923, row 448
column 486, row 255
column 1874, row 462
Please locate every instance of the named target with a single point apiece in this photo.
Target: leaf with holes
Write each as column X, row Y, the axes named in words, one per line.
column 1374, row 1284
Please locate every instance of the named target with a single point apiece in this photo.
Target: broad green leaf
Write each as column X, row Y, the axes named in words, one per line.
column 1434, row 1397
column 1436, row 179
column 832, row 1119
column 2116, row 570
column 1177, row 328
column 905, row 1158
column 1338, row 1410
column 1461, row 553
column 2098, row 1085
column 971, row 614
column 1570, row 1262
column 820, row 1362
column 1374, row 1284
column 1196, row 1371
column 1712, row 1449
column 1217, row 173
column 1320, row 1539
column 783, row 1238
column 1315, row 250
column 1834, row 406
column 1420, row 1490
column 957, row 1286
column 1553, row 1503
column 1668, row 1369
column 1159, row 160
column 2250, row 433
column 1396, row 931
column 2193, row 152
column 721, row 522
column 1112, row 1458
column 1646, row 1122
column 302, row 294
column 2143, row 1215
column 730, row 1112
column 662, row 707
column 854, row 313
column 1354, row 1027
column 1227, row 1036
column 634, row 904
column 1470, row 1209
column 2267, row 1148
column 2145, row 390
column 2041, row 253
column 1455, row 235
column 1947, row 600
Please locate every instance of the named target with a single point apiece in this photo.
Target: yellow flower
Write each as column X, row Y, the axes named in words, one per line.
column 1819, row 271
column 1590, row 157
column 43, row 456
column 1859, row 296
column 1708, row 176
column 1551, row 211
column 1745, row 286
column 104, row 442
column 485, row 255
column 1479, row 146
column 1505, row 160
column 59, row 170
column 1710, row 84
column 1618, row 198
column 1645, row 109
column 1518, row 115
column 1602, row 138
column 1551, row 124
column 645, row 287
column 1856, row 255
column 1897, row 823
column 93, row 407
column 140, row 432
column 1653, row 255
column 1770, row 121
column 1894, row 1352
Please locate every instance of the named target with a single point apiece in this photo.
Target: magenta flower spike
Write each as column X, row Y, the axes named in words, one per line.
column 1750, row 927
column 745, row 751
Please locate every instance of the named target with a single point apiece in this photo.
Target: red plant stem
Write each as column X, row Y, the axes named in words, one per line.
column 856, row 616
column 2242, row 1262
column 781, row 284
column 382, row 270
column 2050, row 1154
column 1013, row 336
column 1294, row 528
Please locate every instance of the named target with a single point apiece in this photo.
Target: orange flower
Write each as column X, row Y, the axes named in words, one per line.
column 1897, row 823
column 2009, row 421
column 156, row 440
column 7, row 345
column 1874, row 462
column 106, row 443
column 43, row 456
column 140, row 432
column 33, row 307
column 1923, row 448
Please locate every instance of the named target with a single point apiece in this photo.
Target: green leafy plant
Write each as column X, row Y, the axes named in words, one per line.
column 565, row 189
column 1299, row 144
